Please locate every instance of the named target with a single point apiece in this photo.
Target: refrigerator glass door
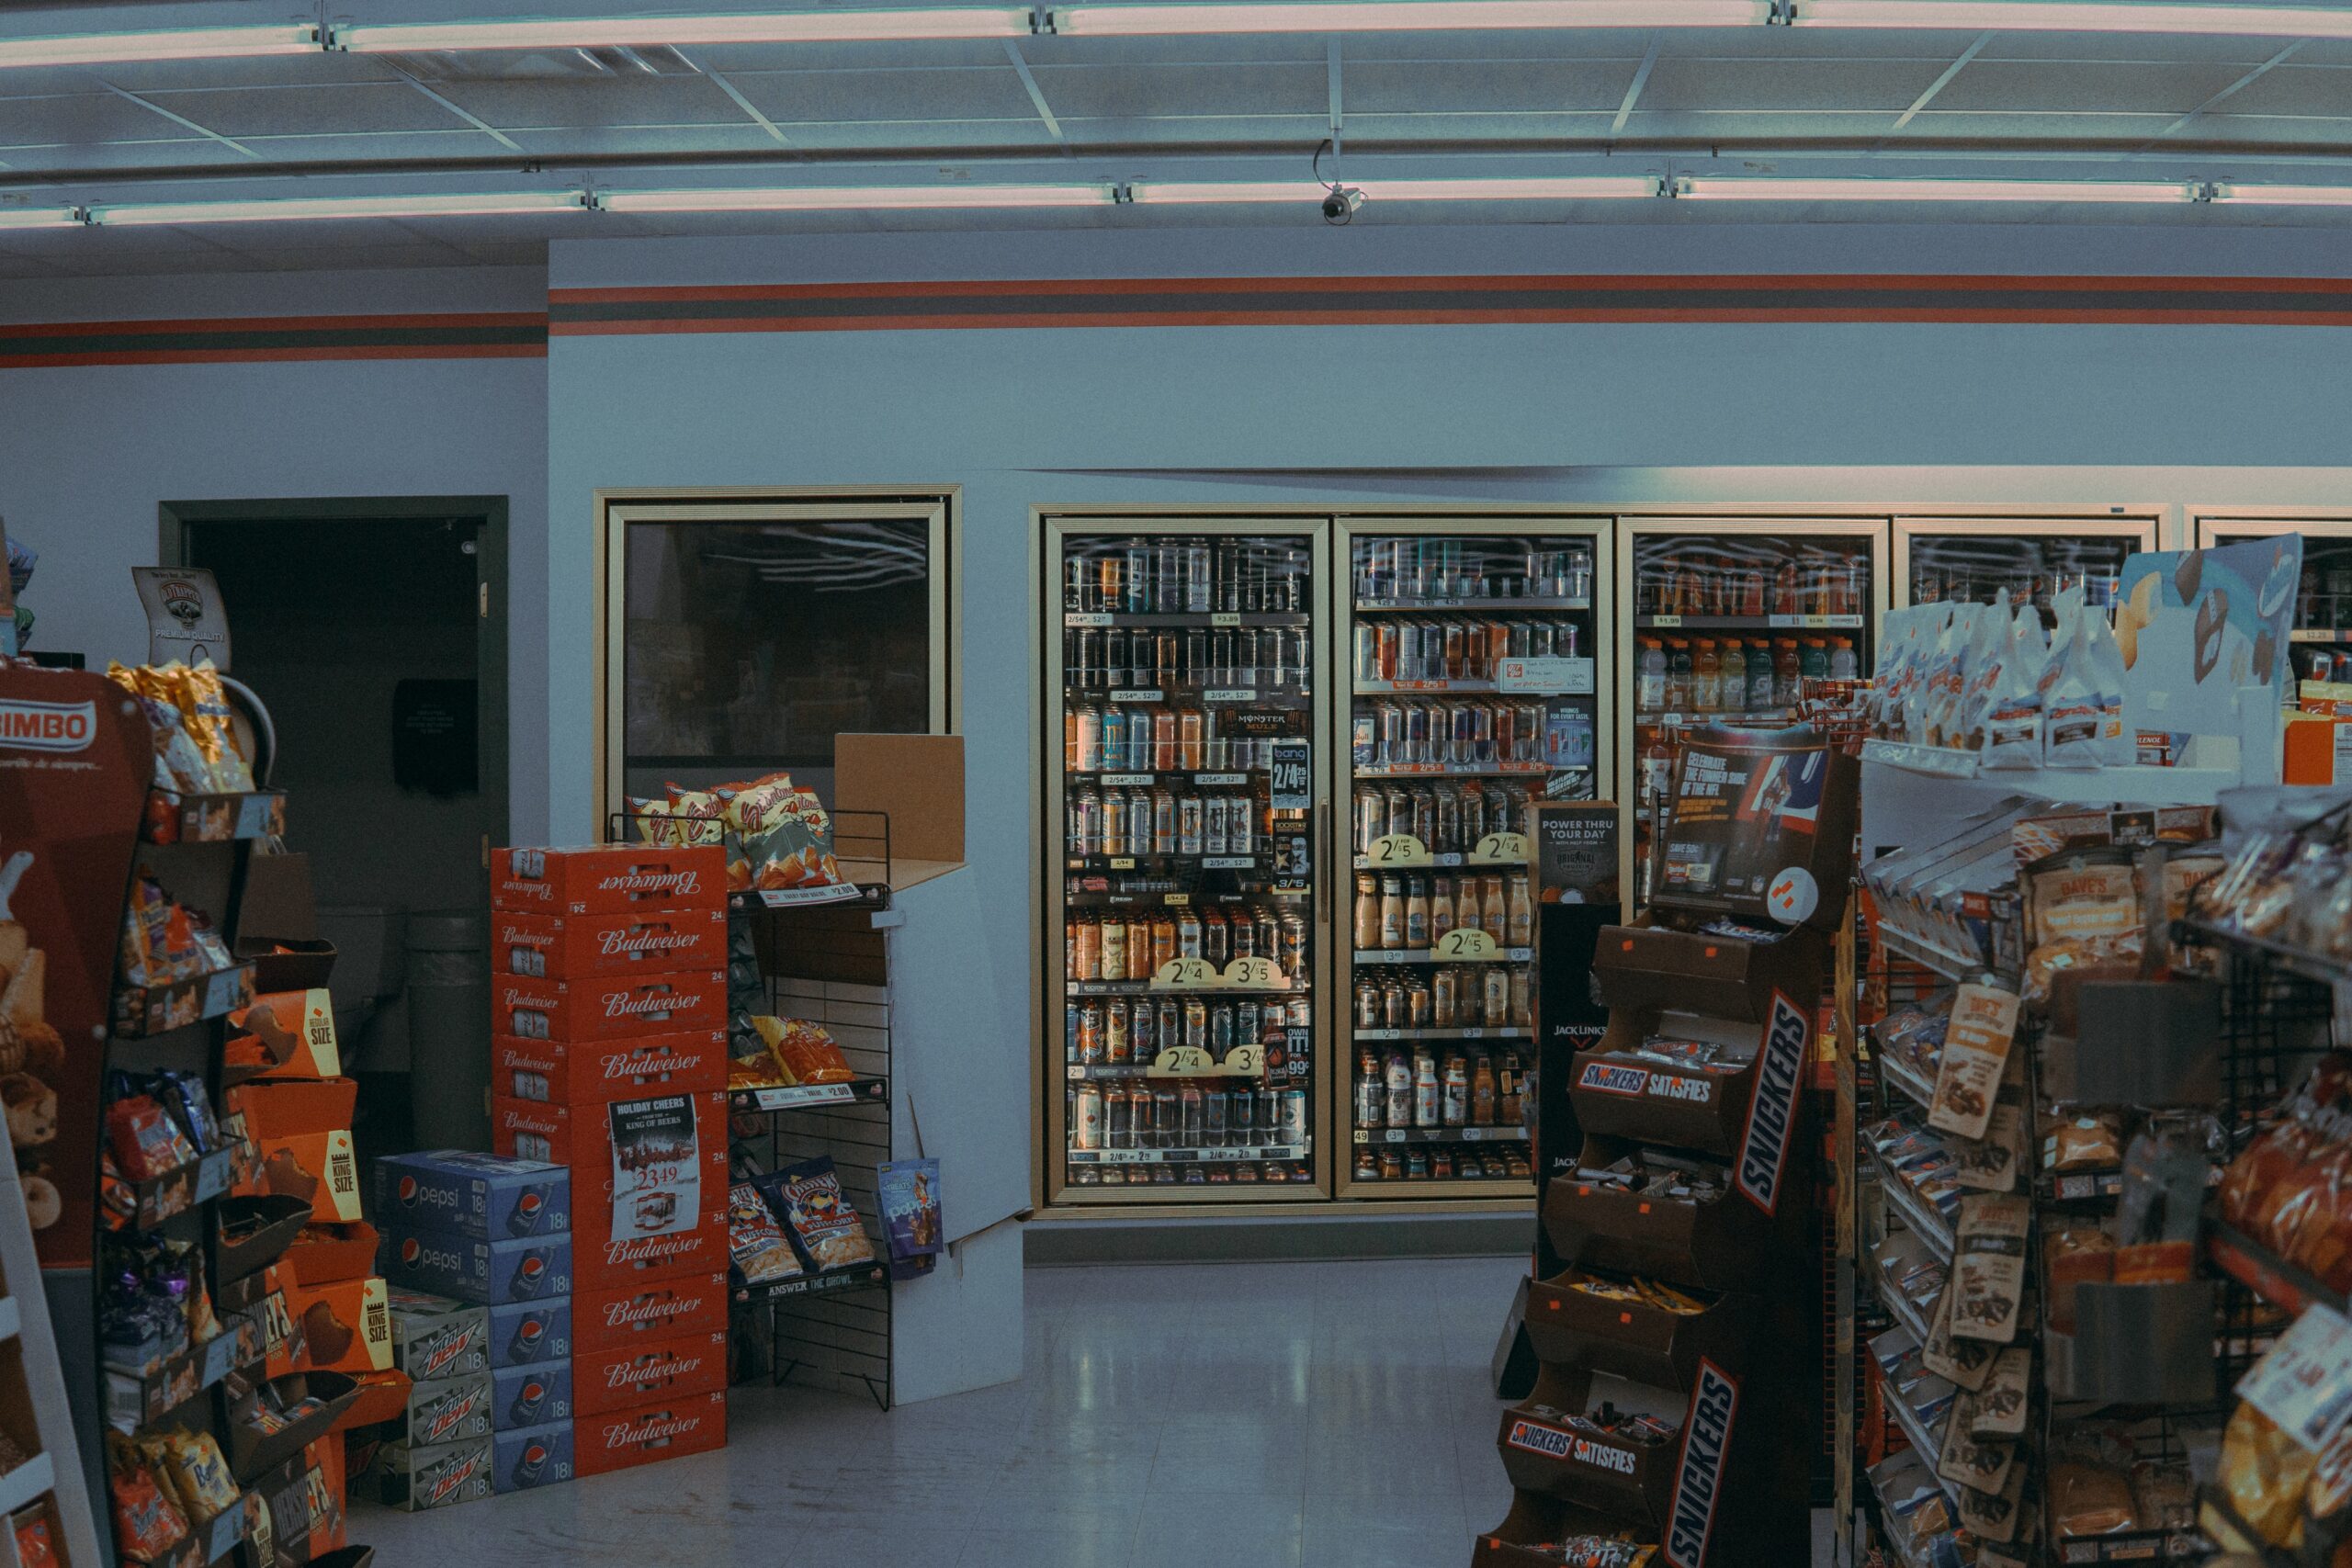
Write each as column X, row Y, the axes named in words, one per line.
column 1473, row 659
column 2032, row 559
column 1730, row 617
column 1181, row 678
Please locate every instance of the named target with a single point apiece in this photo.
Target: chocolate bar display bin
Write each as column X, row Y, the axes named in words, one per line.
column 1619, row 1480
column 1575, row 1329
column 1645, row 969
column 252, row 1452
column 1723, row 1243
column 282, row 1219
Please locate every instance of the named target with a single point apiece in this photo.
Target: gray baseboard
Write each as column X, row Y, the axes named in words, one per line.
column 1213, row 1239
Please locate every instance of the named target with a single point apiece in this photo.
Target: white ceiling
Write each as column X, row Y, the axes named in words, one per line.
column 1792, row 100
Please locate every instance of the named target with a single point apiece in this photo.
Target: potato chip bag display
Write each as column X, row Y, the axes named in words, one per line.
column 755, row 1242
column 179, row 766
column 806, row 1053
column 212, row 724
column 200, row 1475
column 818, row 1214
column 147, row 1523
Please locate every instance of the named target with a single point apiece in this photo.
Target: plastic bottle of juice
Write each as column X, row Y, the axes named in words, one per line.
column 1786, row 668
column 1678, row 675
column 1734, row 666
column 1706, row 677
column 1759, row 676
column 1649, row 681
column 1813, row 661
column 1843, row 666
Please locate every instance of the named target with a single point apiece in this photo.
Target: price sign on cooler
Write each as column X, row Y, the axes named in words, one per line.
column 1256, row 973
column 1246, row 1061
column 1464, row 942
column 1182, row 1060
column 1286, row 771
column 1546, row 677
column 1398, row 849
column 1178, row 973
column 1500, row 849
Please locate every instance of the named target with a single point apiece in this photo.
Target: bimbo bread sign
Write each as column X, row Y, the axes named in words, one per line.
column 27, row 726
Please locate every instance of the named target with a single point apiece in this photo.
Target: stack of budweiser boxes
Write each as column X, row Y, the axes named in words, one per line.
column 609, row 1056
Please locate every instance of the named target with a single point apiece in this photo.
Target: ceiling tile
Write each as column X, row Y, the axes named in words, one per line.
column 1939, row 121
column 2074, row 86
column 1367, row 130
column 283, row 111
column 590, row 101
column 79, row 120
column 963, row 93
column 1191, row 91
column 1721, row 84
column 2293, row 89
column 1490, row 85
column 1719, row 127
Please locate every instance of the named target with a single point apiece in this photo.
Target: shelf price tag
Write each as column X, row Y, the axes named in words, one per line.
column 1181, row 1060
column 1398, row 849
column 1178, row 972
column 1464, row 942
column 1246, row 1061
column 1288, row 784
column 1256, row 973
column 1224, row 617
column 1568, row 677
column 1500, row 849
column 1665, row 621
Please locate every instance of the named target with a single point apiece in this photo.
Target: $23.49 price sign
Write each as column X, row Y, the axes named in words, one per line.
column 1287, row 783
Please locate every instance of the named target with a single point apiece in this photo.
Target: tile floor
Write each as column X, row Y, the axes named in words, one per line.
column 1228, row 1415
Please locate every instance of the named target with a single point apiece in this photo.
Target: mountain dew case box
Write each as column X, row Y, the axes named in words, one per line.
column 525, row 1334
column 532, row 1456
column 447, row 1410
column 435, row 1337
column 487, row 1197
column 440, row 1476
column 468, row 1270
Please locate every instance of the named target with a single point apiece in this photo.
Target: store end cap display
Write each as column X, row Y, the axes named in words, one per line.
column 1759, row 826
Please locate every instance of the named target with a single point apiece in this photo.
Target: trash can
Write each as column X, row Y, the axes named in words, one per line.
column 449, row 1028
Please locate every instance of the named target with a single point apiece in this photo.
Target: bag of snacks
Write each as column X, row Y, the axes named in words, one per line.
column 2264, row 1471
column 147, row 1523
column 756, row 1243
column 807, row 1054
column 817, row 1215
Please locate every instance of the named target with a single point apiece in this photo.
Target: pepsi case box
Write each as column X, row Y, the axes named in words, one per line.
column 524, row 1334
column 485, row 1196
column 525, row 1397
column 437, row 1477
column 434, row 1336
column 532, row 1456
column 445, row 1263
column 447, row 1410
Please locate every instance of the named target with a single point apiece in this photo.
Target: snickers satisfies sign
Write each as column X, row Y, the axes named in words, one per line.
column 1621, row 1078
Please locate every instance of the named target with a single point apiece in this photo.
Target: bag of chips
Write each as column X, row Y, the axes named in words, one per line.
column 806, row 1051
column 756, row 1242
column 817, row 1215
column 147, row 1523
column 200, row 1475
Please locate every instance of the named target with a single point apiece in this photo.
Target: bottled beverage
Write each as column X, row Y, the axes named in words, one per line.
column 1457, row 1090
column 1759, row 676
column 1188, row 740
column 1649, row 676
column 1492, row 916
column 1188, row 935
column 1086, row 1117
column 1495, row 983
column 1482, row 1092
column 1216, row 938
column 1399, row 1074
column 1510, row 1090
column 1163, row 741
column 1392, row 913
column 1787, row 668
column 1118, row 1119
column 1090, row 739
column 1732, row 678
column 1445, row 999
column 1163, row 823
column 1706, row 678
column 1813, row 659
column 1843, row 665
column 1678, row 675
column 1417, row 913
column 1188, row 825
column 1523, row 996
column 1442, row 912
column 1372, row 1098
column 1786, row 590
column 1521, row 914
column 1428, row 1093
column 1191, row 1129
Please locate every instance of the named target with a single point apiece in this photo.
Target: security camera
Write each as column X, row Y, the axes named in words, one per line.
column 1339, row 203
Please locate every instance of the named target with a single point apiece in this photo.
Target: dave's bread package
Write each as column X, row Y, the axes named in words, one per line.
column 649, row 1314
column 524, row 1333
column 649, row 1180
column 634, row 942
column 667, row 1429
column 622, row 1377
column 285, row 1034
column 434, row 1336
column 554, row 1072
column 532, row 1456
column 442, row 1263
column 608, row 879
column 484, row 1196
column 302, row 1133
column 609, row 1007
column 527, row 1395
column 346, row 1326
column 1759, row 826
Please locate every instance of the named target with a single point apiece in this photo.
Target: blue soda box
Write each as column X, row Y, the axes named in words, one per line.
column 485, row 1196
column 446, row 1264
column 531, row 1456
column 527, row 1396
column 524, row 1334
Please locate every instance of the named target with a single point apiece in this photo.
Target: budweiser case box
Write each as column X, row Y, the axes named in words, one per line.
column 650, row 1180
column 579, row 947
column 524, row 1396
column 447, row 1410
column 524, row 1334
column 434, row 1336
column 532, row 1456
column 609, row 1007
column 608, row 879
column 442, row 1263
column 649, row 1314
column 417, row 1479
column 665, row 1429
column 624, row 1376
column 555, row 1072
column 478, row 1195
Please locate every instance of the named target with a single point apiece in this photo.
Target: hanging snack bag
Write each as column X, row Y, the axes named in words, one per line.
column 1988, row 648
column 806, row 1051
column 2073, row 708
column 211, row 723
column 2164, row 1194
column 755, row 1242
column 817, row 1215
column 2013, row 716
column 1931, row 713
column 1988, row 1267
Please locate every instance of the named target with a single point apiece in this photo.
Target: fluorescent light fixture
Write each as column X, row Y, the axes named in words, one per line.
column 710, row 28
column 1589, row 187
column 178, row 43
column 2284, row 196
column 285, row 209
column 40, row 217
column 1701, row 187
column 855, row 199
column 2079, row 17
column 1400, row 16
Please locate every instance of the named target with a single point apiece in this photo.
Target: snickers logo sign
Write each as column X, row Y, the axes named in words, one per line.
column 48, row 726
column 1535, row 1439
column 1612, row 1078
column 1772, row 1114
column 1698, row 1479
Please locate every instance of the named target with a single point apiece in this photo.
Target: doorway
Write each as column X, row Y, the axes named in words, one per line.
column 375, row 631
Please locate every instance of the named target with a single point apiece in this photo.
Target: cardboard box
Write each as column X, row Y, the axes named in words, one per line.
column 610, row 1007
column 670, row 1430
column 434, row 1336
column 606, row 879
column 552, row 1072
column 417, row 1479
column 524, row 1333
column 447, row 1410
column 478, row 1195
column 661, row 1309
column 285, row 1034
column 533, row 1456
column 578, row 947
column 657, row 1240
column 288, row 1108
column 302, row 1132
column 626, row 1376
column 525, row 1397
column 324, row 1254
column 1758, row 828
column 379, row 1397
column 346, row 1326
column 445, row 1263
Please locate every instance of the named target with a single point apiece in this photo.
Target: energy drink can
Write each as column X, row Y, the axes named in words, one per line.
column 1139, row 580
column 1214, row 813
column 1294, row 1117
column 1115, row 672
column 1212, row 1117
column 1269, row 1111
column 1086, row 1117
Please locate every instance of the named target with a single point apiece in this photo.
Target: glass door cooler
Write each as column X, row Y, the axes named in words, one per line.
column 1181, row 678
column 1471, row 655
column 1730, row 616
column 2034, row 558
column 2323, row 630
